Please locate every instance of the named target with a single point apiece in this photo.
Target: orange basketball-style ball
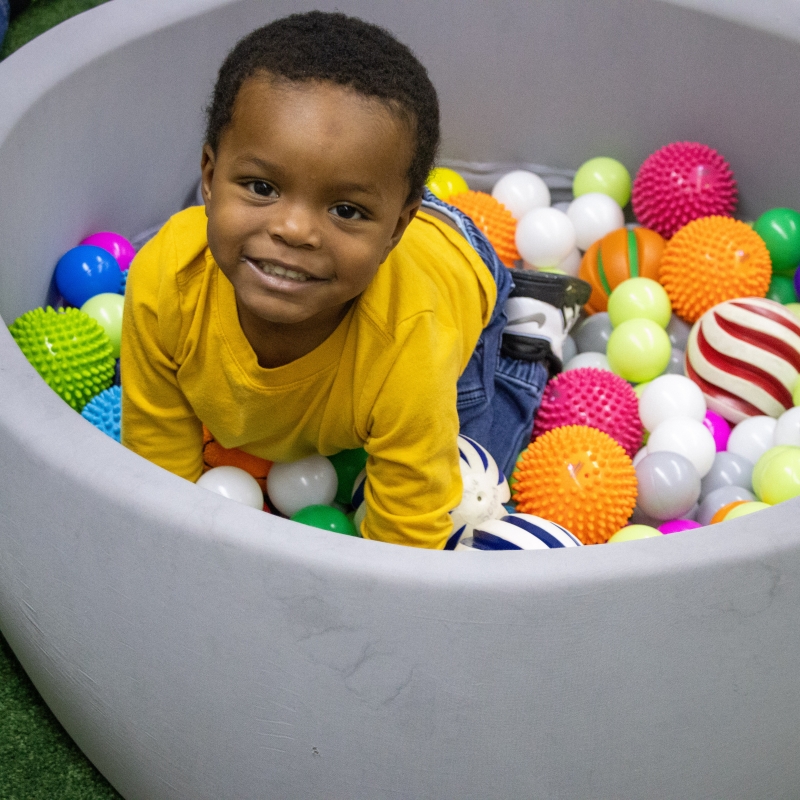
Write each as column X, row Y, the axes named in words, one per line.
column 620, row 255
column 215, row 455
column 493, row 219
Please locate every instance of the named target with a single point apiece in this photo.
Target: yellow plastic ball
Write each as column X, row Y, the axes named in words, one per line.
column 445, row 182
column 744, row 509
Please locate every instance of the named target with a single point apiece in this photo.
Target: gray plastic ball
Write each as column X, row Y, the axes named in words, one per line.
column 675, row 366
column 728, row 469
column 714, row 501
column 640, row 518
column 568, row 350
column 669, row 485
column 593, row 333
column 678, row 332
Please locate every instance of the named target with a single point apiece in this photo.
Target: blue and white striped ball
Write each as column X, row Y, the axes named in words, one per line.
column 518, row 532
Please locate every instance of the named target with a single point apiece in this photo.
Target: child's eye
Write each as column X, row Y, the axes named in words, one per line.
column 261, row 188
column 347, row 212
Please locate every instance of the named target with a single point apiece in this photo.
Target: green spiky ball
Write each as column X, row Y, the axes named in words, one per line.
column 69, row 350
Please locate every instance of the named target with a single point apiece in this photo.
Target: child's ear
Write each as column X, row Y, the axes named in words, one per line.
column 403, row 221
column 207, row 164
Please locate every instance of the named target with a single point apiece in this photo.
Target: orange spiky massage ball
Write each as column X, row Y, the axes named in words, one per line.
column 710, row 260
column 493, row 219
column 578, row 477
column 215, row 455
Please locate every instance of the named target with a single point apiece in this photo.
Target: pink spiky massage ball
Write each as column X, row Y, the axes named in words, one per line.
column 596, row 398
column 681, row 182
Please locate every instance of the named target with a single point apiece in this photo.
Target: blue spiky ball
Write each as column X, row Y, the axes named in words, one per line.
column 105, row 410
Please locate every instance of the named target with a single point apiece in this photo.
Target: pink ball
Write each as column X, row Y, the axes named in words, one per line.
column 117, row 245
column 719, row 428
column 594, row 397
column 675, row 525
column 680, row 183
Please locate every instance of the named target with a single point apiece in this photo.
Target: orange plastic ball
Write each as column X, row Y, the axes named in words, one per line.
column 711, row 260
column 620, row 255
column 578, row 477
column 720, row 515
column 493, row 219
column 215, row 455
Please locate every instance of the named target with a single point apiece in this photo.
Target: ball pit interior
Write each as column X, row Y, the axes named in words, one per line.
column 197, row 648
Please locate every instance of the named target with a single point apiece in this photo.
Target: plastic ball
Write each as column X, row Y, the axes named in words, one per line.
column 638, row 350
column 117, row 245
column 780, row 230
column 678, row 525
column 592, row 335
column 639, row 298
column 715, row 500
column 743, row 509
column 568, row 349
column 722, row 513
column 794, row 308
column 620, row 255
column 677, row 359
column 641, row 454
column 327, row 518
column 719, row 429
column 594, row 216
column 588, row 359
column 493, row 219
column 760, row 467
column 444, row 182
column 728, row 469
column 85, row 271
column 685, row 436
column 215, row 455
column 69, row 350
column 631, row 533
column 782, row 290
column 235, row 484
column 678, row 331
column 670, row 396
column 592, row 397
column 780, row 477
column 518, row 532
column 752, row 437
column 521, row 191
column 744, row 355
column 104, row 411
column 308, row 482
column 570, row 264
column 545, row 237
column 681, row 182
column 106, row 309
column 668, row 485
column 578, row 477
column 787, row 429
column 605, row 175
column 348, row 464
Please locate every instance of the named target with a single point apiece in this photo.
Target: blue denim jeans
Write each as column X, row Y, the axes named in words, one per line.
column 497, row 395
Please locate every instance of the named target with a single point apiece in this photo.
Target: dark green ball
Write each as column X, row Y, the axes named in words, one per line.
column 327, row 518
column 781, row 289
column 347, row 464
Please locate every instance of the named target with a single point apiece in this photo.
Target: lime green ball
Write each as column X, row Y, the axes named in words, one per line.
column 605, row 175
column 639, row 298
column 327, row 518
column 744, row 509
column 444, row 183
column 347, row 464
column 106, row 309
column 760, row 466
column 780, row 230
column 632, row 532
column 781, row 290
column 794, row 308
column 638, row 350
column 640, row 387
column 779, row 476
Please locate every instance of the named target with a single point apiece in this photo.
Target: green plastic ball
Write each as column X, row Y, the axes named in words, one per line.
column 639, row 298
column 781, row 290
column 106, row 309
column 778, row 476
column 780, row 230
column 347, row 464
column 760, row 466
column 327, row 518
column 794, row 308
column 605, row 175
column 638, row 350
column 632, row 532
column 69, row 350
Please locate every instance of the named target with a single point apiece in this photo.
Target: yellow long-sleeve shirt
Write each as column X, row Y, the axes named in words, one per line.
column 385, row 379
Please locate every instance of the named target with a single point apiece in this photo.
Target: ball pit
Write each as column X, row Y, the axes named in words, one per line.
column 369, row 652
column 493, row 218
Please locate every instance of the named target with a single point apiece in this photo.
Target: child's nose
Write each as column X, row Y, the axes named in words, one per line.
column 295, row 224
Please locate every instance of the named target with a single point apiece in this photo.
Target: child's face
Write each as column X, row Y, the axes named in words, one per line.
column 305, row 196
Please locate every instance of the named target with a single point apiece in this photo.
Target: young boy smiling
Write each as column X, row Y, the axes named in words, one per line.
column 315, row 304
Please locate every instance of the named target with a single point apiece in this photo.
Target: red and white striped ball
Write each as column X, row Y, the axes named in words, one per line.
column 745, row 356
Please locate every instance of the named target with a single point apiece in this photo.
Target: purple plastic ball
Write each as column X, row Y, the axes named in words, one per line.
column 87, row 270
column 675, row 525
column 117, row 245
column 719, row 429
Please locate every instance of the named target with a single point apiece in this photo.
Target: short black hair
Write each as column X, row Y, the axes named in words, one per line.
column 321, row 46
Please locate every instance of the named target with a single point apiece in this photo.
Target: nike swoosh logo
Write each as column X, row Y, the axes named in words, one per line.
column 539, row 319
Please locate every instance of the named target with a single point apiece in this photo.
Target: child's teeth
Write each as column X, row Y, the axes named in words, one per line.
column 282, row 272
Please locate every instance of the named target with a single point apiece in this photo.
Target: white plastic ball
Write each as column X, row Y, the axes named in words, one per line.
column 593, row 215
column 787, row 431
column 752, row 437
column 307, row 482
column 572, row 263
column 588, row 359
column 521, row 191
column 670, row 396
column 545, row 237
column 685, row 436
column 640, row 455
column 235, row 484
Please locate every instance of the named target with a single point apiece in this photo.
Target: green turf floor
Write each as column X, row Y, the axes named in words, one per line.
column 38, row 760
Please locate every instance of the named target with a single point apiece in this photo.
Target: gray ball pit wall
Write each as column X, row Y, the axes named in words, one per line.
column 197, row 649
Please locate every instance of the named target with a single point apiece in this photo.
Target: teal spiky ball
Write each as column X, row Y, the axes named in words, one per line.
column 68, row 349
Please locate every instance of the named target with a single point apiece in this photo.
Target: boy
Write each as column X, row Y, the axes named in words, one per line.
column 314, row 304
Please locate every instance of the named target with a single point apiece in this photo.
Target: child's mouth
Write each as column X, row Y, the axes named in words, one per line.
column 282, row 272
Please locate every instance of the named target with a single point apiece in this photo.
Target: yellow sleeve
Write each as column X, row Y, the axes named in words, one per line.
column 157, row 421
column 413, row 474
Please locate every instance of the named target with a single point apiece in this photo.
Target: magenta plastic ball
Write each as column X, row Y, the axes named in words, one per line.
column 676, row 525
column 117, row 245
column 719, row 429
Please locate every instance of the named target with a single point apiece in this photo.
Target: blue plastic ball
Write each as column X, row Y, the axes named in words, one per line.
column 85, row 271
